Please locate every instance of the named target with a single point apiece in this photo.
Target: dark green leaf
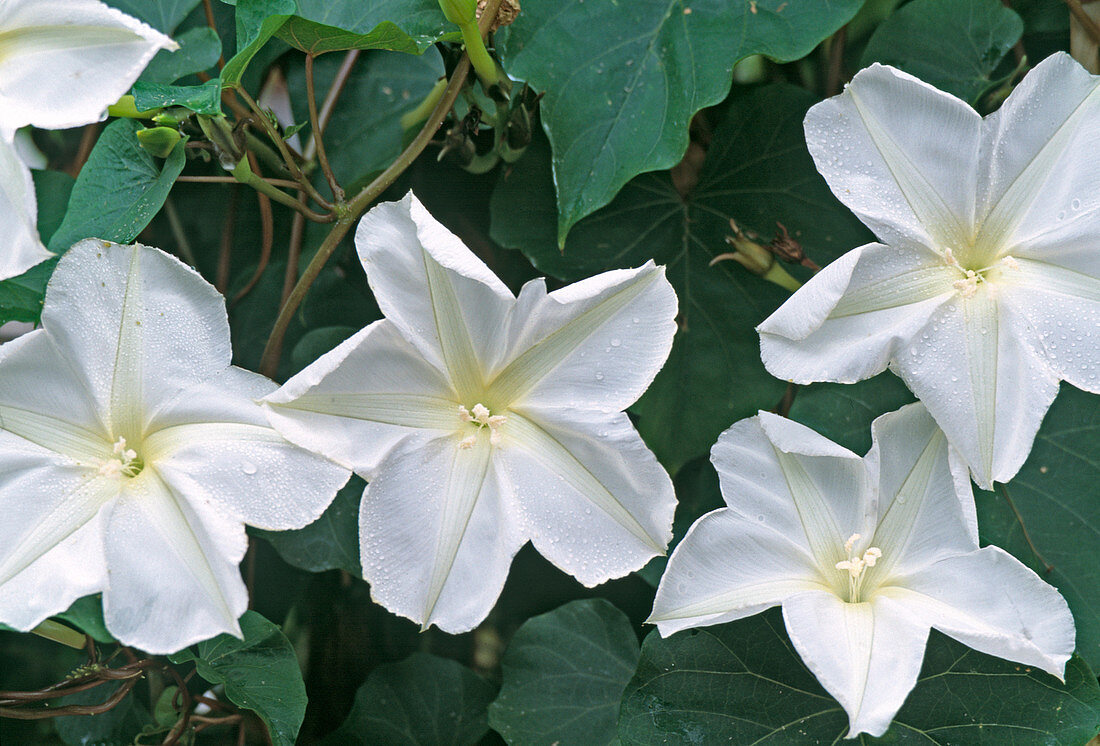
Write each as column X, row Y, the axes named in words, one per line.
column 199, row 50
column 119, row 189
column 317, row 342
column 364, row 134
column 201, row 99
column 318, row 26
column 757, row 171
column 260, row 673
column 163, row 15
column 953, row 44
column 331, row 542
column 52, row 190
column 743, row 683
column 623, row 79
column 86, row 614
column 421, row 701
column 1058, row 495
column 563, row 676
column 843, row 412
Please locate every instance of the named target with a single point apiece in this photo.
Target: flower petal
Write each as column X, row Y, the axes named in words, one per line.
column 925, row 503
column 51, row 538
column 65, row 61
column 18, row 214
column 902, row 155
column 441, row 297
column 355, row 402
column 866, row 655
column 214, row 444
column 984, row 386
column 728, row 567
column 1039, row 193
column 597, row 343
column 594, row 499
column 1057, row 310
column 991, row 602
column 804, row 486
column 140, row 326
column 847, row 322
column 173, row 568
column 436, row 532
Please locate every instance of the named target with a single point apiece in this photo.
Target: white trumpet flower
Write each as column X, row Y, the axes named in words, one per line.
column 864, row 555
column 985, row 290
column 132, row 454
column 62, row 63
column 483, row 420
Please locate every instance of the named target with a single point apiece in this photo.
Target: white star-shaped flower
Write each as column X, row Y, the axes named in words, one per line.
column 985, row 290
column 132, row 454
column 483, row 420
column 864, row 555
column 62, row 63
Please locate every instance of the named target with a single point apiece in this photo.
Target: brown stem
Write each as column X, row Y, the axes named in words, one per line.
column 1086, row 21
column 294, row 254
column 88, row 138
column 1020, row 519
column 267, row 239
column 286, row 183
column 318, row 138
column 225, row 250
column 208, row 6
column 331, row 97
column 836, row 62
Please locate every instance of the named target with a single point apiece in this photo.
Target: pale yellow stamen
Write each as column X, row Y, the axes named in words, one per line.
column 124, row 463
column 481, row 416
column 855, row 566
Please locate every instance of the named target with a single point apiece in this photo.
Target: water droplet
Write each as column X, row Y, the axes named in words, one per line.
column 248, row 468
column 616, row 342
column 599, row 376
column 1075, row 204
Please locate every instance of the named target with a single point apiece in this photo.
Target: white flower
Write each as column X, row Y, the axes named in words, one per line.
column 132, row 454
column 62, row 63
column 484, row 420
column 986, row 289
column 865, row 555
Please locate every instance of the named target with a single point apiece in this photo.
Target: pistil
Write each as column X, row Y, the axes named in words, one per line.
column 124, row 462
column 856, row 566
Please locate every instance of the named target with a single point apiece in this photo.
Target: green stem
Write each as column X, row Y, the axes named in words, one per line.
column 58, row 632
column 424, row 109
column 244, row 174
column 484, row 65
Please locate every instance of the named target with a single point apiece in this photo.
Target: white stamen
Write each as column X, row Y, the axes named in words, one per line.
column 968, row 286
column 949, row 257
column 854, row 537
column 464, row 414
column 1010, row 262
column 125, row 461
column 482, row 417
column 467, row 443
column 481, row 413
column 855, row 566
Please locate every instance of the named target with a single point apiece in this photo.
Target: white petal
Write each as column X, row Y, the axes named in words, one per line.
column 173, row 569
column 436, row 532
column 866, row 655
column 63, row 62
column 139, row 325
column 847, row 322
column 902, row 155
column 989, row 601
column 356, row 401
column 18, row 214
column 51, row 538
column 441, row 297
column 43, row 400
column 1057, row 310
column 595, row 501
column 804, row 486
column 986, row 388
column 1040, row 189
column 925, row 504
column 215, row 444
column 728, row 567
column 594, row 344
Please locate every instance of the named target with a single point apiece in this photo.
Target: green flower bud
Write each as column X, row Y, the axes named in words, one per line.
column 158, row 141
column 459, row 12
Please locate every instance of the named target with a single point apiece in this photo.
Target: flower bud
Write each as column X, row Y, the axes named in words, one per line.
column 756, row 259
column 459, row 12
column 158, row 141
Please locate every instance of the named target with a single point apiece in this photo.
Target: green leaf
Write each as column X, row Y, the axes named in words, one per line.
column 1058, row 497
column 743, row 683
column 623, row 79
column 317, row 342
column 364, row 134
column 201, row 99
column 843, row 412
column 52, row 190
column 86, row 614
column 163, row 15
column 421, row 701
column 199, row 49
column 953, row 44
column 563, row 676
column 317, row 26
column 757, row 171
column 260, row 673
column 119, row 189
column 331, row 542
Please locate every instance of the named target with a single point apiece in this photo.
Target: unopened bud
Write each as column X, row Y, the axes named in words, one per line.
column 459, row 12
column 125, row 108
column 159, row 141
column 756, row 259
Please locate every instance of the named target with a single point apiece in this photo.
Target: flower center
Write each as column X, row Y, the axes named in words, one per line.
column 855, row 566
column 967, row 285
column 123, row 462
column 481, row 417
